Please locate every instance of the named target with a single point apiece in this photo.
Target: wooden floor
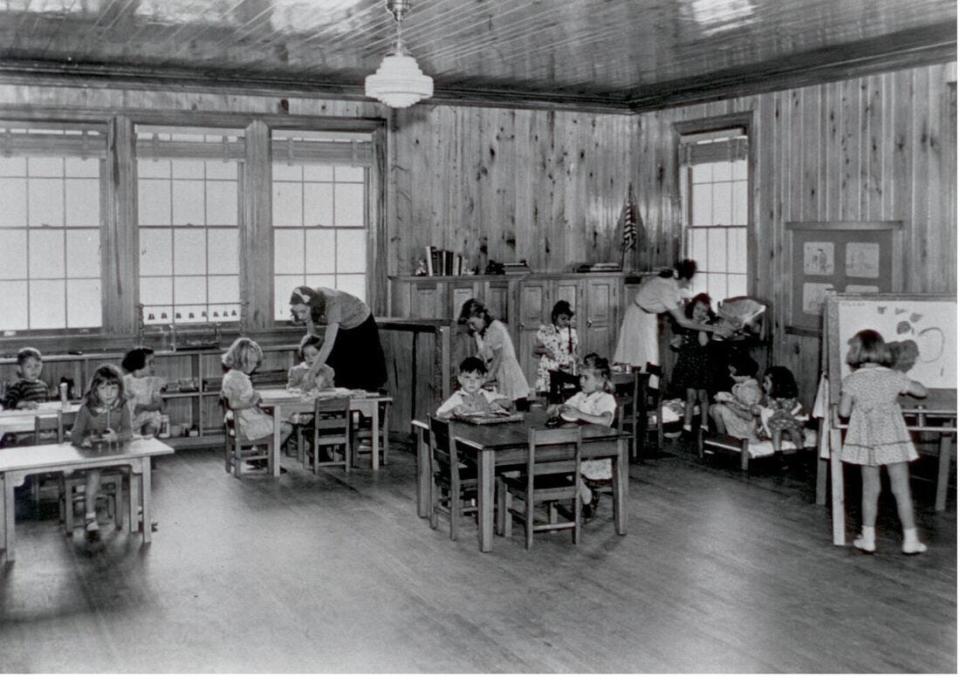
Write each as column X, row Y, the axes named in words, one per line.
column 336, row 573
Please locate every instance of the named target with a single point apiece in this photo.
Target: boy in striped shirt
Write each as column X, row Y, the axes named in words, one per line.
column 29, row 390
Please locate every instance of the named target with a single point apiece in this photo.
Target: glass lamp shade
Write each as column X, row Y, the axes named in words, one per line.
column 398, row 82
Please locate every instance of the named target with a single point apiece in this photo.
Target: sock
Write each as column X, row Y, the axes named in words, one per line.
column 91, row 522
column 912, row 544
column 867, row 540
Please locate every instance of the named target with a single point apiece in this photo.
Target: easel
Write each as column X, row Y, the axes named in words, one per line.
column 935, row 413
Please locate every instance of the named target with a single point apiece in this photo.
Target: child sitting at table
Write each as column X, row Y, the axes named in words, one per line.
column 241, row 359
column 305, row 376
column 29, row 390
column 142, row 390
column 471, row 398
column 594, row 404
column 103, row 418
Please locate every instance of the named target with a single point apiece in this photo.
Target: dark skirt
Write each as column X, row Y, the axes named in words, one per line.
column 357, row 357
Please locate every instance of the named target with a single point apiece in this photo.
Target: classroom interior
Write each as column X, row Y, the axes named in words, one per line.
column 170, row 171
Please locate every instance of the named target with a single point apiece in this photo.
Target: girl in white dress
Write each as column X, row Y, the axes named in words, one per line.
column 241, row 359
column 142, row 390
column 495, row 347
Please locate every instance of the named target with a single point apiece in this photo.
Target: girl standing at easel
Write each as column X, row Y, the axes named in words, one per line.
column 877, row 434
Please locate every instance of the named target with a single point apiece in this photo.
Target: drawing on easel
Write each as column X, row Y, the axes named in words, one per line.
column 863, row 259
column 814, row 294
column 818, row 258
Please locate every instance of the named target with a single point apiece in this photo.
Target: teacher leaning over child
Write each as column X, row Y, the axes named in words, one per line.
column 351, row 342
column 637, row 343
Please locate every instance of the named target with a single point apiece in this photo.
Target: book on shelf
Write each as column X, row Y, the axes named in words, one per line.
column 429, row 259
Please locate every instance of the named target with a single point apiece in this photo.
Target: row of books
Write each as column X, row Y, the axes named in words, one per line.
column 443, row 262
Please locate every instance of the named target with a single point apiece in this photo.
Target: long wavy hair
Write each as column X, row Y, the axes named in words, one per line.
column 312, row 298
column 108, row 373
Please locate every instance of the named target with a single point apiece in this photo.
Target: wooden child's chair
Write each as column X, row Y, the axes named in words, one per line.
column 331, row 430
column 453, row 483
column 238, row 450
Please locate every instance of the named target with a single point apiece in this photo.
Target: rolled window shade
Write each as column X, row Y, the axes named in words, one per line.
column 728, row 145
column 86, row 142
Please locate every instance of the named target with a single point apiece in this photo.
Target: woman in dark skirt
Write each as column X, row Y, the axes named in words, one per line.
column 351, row 343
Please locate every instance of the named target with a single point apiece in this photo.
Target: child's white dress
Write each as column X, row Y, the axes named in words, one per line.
column 510, row 379
column 253, row 423
column 877, row 433
column 143, row 391
column 597, row 403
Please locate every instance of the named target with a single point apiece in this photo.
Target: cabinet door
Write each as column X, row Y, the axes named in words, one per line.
column 496, row 296
column 601, row 316
column 534, row 311
column 428, row 301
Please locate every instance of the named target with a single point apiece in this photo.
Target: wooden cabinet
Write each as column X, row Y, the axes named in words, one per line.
column 523, row 303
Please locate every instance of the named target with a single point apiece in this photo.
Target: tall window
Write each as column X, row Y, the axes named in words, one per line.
column 714, row 191
column 50, row 199
column 319, row 213
column 188, row 207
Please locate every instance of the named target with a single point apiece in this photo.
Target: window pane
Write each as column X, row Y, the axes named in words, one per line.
column 722, row 214
column 737, row 285
column 13, row 256
column 156, row 252
column 287, row 204
column 188, row 202
column 321, row 251
column 13, row 202
column 47, row 308
column 721, row 170
column 740, row 203
column 13, row 166
column 156, row 290
column 45, row 167
column 83, row 202
column 83, row 303
column 702, row 205
column 351, row 251
column 153, row 200
column 320, row 172
column 224, row 290
column 153, row 168
column 717, row 286
column 285, row 171
column 46, row 201
column 716, row 250
column 189, row 252
column 13, row 306
column 221, row 203
column 226, row 170
column 348, row 205
column 349, row 174
column 740, row 169
column 699, row 284
column 83, row 253
column 318, row 204
column 353, row 284
column 288, row 251
column 283, row 285
column 189, row 290
column 701, row 173
column 737, row 250
column 46, row 256
column 223, row 251
column 82, row 168
column 187, row 168
column 698, row 247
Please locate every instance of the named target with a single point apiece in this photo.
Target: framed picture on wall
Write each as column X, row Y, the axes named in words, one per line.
column 837, row 258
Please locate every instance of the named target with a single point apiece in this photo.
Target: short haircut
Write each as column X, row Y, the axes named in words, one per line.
column 782, row 382
column 560, row 308
column 28, row 352
column 136, row 358
column 590, row 360
column 598, row 364
column 744, row 365
column 473, row 364
column 242, row 352
column 309, row 340
column 868, row 346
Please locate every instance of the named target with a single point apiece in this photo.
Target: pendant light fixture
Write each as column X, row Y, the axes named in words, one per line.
column 398, row 82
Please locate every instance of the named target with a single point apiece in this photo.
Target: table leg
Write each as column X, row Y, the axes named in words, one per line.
column 423, row 474
column 385, row 426
column 486, row 481
column 375, row 438
column 621, row 481
column 943, row 472
column 145, row 486
column 836, row 487
column 275, row 451
column 8, row 518
column 132, row 498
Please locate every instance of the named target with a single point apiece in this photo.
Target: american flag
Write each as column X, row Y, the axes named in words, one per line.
column 630, row 221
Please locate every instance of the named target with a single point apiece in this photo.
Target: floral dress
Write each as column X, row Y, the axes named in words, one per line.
column 738, row 418
column 563, row 343
column 877, row 433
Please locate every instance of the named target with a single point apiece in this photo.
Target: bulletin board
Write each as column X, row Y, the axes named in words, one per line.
column 838, row 258
column 921, row 328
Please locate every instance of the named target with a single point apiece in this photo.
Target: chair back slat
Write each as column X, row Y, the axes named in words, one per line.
column 48, row 423
column 552, row 462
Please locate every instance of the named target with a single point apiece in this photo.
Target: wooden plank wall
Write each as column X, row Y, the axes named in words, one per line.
column 549, row 186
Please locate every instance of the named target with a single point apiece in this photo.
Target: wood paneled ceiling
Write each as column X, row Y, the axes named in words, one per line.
column 637, row 54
